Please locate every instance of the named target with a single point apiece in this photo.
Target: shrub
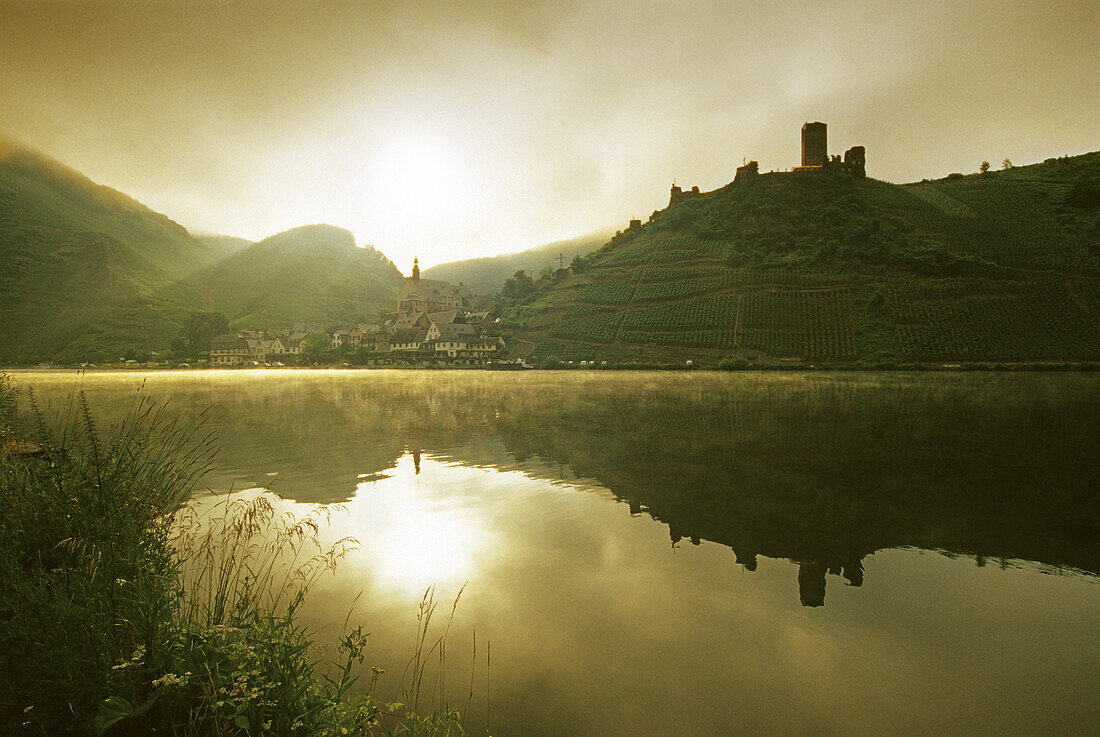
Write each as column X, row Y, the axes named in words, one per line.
column 736, row 363
column 125, row 610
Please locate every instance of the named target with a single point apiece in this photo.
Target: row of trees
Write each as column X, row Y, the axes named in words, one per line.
column 984, row 166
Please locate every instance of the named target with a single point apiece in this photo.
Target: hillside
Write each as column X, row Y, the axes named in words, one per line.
column 823, row 267
column 90, row 274
column 487, row 275
column 80, row 257
column 314, row 273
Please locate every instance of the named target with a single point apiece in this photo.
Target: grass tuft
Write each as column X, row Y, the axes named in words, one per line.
column 126, row 609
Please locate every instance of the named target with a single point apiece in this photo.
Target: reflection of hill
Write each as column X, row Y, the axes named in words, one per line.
column 825, row 472
column 819, row 469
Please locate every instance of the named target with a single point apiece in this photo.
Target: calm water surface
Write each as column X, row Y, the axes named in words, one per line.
column 658, row 554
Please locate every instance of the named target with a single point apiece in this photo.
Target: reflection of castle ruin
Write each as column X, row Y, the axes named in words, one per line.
column 811, row 569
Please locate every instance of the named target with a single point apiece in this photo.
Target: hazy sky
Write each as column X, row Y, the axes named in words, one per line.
column 459, row 129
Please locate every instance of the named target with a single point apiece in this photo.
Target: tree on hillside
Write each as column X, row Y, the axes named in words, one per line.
column 518, row 287
column 315, row 346
column 1006, row 164
column 983, row 167
column 198, row 331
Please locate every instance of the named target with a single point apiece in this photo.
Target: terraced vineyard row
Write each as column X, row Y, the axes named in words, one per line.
column 704, row 312
column 741, row 277
column 783, row 323
column 780, row 343
column 601, row 328
column 903, row 293
column 679, row 273
column 830, row 336
column 685, row 338
column 760, row 310
column 1028, row 237
column 667, row 249
column 581, row 310
column 559, row 352
column 607, row 293
column 771, row 310
column 676, row 289
column 667, row 257
column 1042, row 322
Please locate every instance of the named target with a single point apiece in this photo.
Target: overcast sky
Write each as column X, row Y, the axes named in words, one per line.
column 459, row 129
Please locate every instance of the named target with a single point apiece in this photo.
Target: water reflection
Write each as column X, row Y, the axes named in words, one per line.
column 821, row 470
column 649, row 554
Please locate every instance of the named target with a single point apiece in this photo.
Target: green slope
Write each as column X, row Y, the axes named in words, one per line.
column 823, row 267
column 79, row 257
column 487, row 275
column 89, row 274
column 310, row 274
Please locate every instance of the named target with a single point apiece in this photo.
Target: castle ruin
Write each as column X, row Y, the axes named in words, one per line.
column 815, row 153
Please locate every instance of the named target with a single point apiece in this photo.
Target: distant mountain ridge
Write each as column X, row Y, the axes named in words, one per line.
column 487, row 275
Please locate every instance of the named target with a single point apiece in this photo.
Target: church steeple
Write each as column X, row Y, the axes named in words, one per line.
column 416, row 270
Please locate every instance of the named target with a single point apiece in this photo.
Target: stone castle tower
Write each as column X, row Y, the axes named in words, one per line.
column 416, row 270
column 815, row 144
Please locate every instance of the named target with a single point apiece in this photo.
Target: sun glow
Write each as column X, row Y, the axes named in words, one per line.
column 418, row 174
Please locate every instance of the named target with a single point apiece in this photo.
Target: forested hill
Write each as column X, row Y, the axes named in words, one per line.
column 80, row 259
column 89, row 274
column 824, row 267
column 314, row 273
column 487, row 275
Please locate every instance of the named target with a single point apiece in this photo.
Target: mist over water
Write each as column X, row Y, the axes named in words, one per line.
column 652, row 554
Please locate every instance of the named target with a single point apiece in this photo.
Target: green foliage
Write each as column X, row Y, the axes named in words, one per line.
column 517, row 288
column 8, row 397
column 125, row 613
column 86, row 573
column 75, row 254
column 198, row 331
column 521, row 298
column 315, row 347
column 737, row 363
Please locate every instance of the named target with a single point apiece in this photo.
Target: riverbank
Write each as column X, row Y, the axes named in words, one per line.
column 122, row 612
column 724, row 365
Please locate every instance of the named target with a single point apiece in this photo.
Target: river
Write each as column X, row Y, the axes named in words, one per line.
column 689, row 553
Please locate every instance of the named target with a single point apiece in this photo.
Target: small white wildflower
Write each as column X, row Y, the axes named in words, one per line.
column 169, row 679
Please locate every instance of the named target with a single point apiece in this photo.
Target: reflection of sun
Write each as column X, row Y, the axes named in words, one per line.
column 411, row 537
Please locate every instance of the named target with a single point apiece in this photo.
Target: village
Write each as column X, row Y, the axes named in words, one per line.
column 435, row 322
